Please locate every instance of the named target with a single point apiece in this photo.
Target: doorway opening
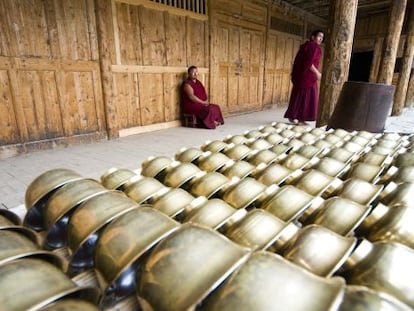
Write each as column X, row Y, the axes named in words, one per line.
column 360, row 66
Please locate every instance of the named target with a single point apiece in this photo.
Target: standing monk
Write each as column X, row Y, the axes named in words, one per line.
column 303, row 103
column 194, row 101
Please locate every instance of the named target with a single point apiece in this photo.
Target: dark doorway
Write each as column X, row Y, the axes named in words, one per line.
column 360, row 66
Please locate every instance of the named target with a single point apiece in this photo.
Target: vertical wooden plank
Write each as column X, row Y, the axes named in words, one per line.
column 52, row 26
column 127, row 98
column 175, row 33
column 9, row 133
column 128, row 33
column 151, row 97
column 172, row 95
column 196, row 50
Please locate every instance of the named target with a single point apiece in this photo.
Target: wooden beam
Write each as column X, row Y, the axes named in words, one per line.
column 338, row 48
column 409, row 100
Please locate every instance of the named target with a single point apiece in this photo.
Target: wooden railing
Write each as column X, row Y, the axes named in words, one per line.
column 196, row 6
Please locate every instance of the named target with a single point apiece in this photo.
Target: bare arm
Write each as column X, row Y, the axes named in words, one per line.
column 190, row 93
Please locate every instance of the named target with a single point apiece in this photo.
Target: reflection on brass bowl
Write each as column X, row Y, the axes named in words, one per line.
column 208, row 185
column 243, row 193
column 319, row 250
column 115, row 178
column 259, row 144
column 390, row 144
column 30, row 284
column 142, row 189
column 89, row 219
column 276, row 174
column 71, row 305
column 356, row 148
column 240, row 169
column 62, row 204
column 188, row 155
column 155, row 167
column 404, row 159
column 16, row 245
column 383, row 266
column 308, row 138
column 237, row 152
column 173, row 202
column 269, row 282
column 268, row 129
column 344, row 134
column 6, row 214
column 193, row 260
column 363, row 298
column 332, row 167
column 360, row 191
column 365, row 171
column 179, row 174
column 301, row 129
column 377, row 159
column 281, row 150
column 235, row 139
column 259, row 230
column 288, row 133
column 39, row 191
column 340, row 215
column 214, row 146
column 262, row 156
column 296, row 161
column 289, row 203
column 253, row 133
column 295, row 143
column 362, row 141
column 401, row 195
column 211, row 162
column 334, row 139
column 275, row 138
column 404, row 175
column 310, row 151
column 317, row 183
column 342, row 155
column 122, row 245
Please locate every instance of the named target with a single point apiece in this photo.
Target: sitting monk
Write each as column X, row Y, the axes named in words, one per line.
column 194, row 101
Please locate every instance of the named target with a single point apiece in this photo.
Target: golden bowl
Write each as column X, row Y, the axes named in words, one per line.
column 240, row 169
column 320, row 132
column 173, row 202
column 334, row 139
column 255, row 133
column 377, row 159
column 243, row 193
column 62, row 204
column 295, row 143
column 322, row 143
column 401, row 195
column 211, row 162
column 193, row 260
column 259, row 144
column 281, row 125
column 179, row 174
column 89, row 219
column 289, row 203
column 155, row 167
column 319, row 250
column 382, row 266
column 404, row 175
column 275, row 138
column 404, row 159
column 363, row 298
column 288, row 133
column 344, row 134
column 269, row 282
column 237, row 151
column 342, row 155
column 39, row 191
column 276, row 174
column 356, row 148
column 30, row 284
column 143, row 189
column 209, row 185
column 332, row 167
column 362, row 141
column 188, row 155
column 317, row 183
column 268, row 129
column 295, row 161
column 259, row 230
column 11, row 217
column 360, row 191
column 367, row 172
column 390, row 144
column 262, row 156
column 235, row 139
column 213, row 213
column 115, row 178
column 310, row 151
column 214, row 146
column 308, row 138
column 71, row 305
column 122, row 245
column 300, row 129
column 339, row 215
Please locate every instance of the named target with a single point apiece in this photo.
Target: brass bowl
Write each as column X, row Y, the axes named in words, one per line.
column 71, row 305
column 173, row 202
column 342, row 155
column 377, row 159
column 11, row 217
column 404, row 159
column 295, row 161
column 359, row 191
column 209, row 185
column 243, row 193
column 235, row 139
column 295, row 143
column 334, row 139
column 30, row 284
column 62, row 204
column 289, row 133
column 255, row 133
column 362, row 141
column 322, row 143
column 310, row 151
column 344, row 134
column 179, row 174
column 116, row 178
column 368, row 135
column 401, row 195
column 39, row 191
column 308, row 138
column 289, row 203
column 390, row 224
column 268, row 129
column 364, row 171
column 390, row 144
column 193, row 260
column 404, row 175
column 122, row 245
column 276, row 174
column 317, row 183
column 332, row 167
column 211, row 162
column 260, row 230
column 281, row 150
column 214, row 213
column 259, row 144
column 363, row 298
column 382, row 266
column 142, row 189
column 240, row 169
column 190, row 155
column 214, row 146
column 339, row 215
column 386, row 151
column 269, row 282
column 15, row 245
column 320, row 132
column 275, row 138
column 88, row 221
column 262, row 156
column 282, row 125
column 356, row 148
column 319, row 250
column 301, row 129
column 155, row 167
column 237, row 152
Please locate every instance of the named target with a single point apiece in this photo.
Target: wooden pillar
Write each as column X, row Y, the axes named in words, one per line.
column 406, row 65
column 107, row 58
column 373, row 74
column 409, row 100
column 337, row 55
column 390, row 48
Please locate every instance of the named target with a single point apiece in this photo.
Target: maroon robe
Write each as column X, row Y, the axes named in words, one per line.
column 207, row 114
column 303, row 103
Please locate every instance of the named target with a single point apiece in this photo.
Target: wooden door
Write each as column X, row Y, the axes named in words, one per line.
column 239, row 80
